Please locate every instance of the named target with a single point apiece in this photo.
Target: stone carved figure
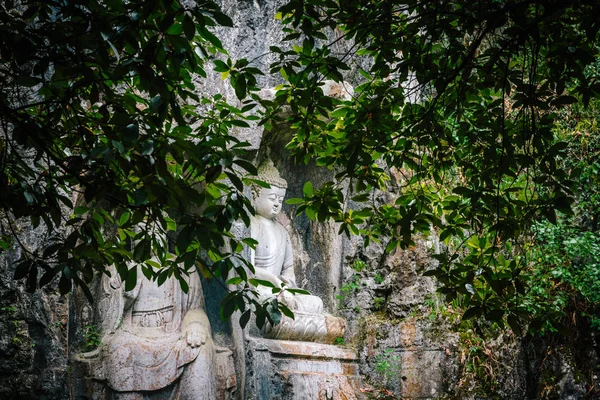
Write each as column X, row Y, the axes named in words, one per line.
column 273, row 260
column 157, row 341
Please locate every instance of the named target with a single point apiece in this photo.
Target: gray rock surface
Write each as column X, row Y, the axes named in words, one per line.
column 33, row 334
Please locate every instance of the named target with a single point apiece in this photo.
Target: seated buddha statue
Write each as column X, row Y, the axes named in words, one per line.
column 273, row 260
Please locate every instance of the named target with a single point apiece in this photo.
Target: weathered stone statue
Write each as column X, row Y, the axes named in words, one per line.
column 273, row 260
column 157, row 341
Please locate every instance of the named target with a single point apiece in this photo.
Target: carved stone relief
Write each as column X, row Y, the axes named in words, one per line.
column 157, row 343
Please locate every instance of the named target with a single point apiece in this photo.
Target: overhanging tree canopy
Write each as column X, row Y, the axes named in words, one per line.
column 456, row 101
column 459, row 101
column 98, row 103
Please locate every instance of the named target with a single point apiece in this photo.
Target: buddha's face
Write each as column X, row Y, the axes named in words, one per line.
column 269, row 201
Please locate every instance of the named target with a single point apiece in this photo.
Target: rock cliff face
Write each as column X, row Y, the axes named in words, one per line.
column 408, row 341
column 33, row 335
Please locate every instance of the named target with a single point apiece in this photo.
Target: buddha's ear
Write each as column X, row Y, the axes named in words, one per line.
column 255, row 191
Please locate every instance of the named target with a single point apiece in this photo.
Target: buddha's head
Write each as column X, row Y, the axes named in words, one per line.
column 268, row 202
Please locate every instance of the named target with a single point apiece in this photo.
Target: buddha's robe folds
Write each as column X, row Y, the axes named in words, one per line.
column 274, row 249
column 274, row 254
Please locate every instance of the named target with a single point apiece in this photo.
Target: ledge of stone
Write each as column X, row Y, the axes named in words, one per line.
column 303, row 349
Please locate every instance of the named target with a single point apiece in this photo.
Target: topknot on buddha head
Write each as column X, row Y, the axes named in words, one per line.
column 269, row 174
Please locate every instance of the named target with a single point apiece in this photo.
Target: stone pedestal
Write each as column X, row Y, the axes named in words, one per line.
column 291, row 370
column 320, row 328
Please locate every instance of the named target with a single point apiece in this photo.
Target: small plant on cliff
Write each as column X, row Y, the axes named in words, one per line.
column 438, row 308
column 91, row 337
column 9, row 309
column 389, row 365
column 378, row 303
column 482, row 368
column 359, row 265
column 348, row 289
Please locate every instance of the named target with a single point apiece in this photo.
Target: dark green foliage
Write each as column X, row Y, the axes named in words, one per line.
column 103, row 144
column 564, row 267
column 455, row 109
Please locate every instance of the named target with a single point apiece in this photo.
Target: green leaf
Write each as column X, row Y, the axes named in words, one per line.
column 563, row 100
column 391, row 246
column 294, row 201
column 260, row 317
column 162, row 277
column 432, row 272
column 147, row 148
column 183, row 284
column 29, row 197
column 22, row 269
column 48, row 276
column 237, row 183
column 260, row 183
column 210, row 38
column 257, row 282
column 239, row 84
column 32, row 279
column 132, row 131
column 222, row 19
column 175, row 29
column 189, row 28
column 236, row 280
column 286, row 311
column 298, row 291
column 131, row 280
column 494, row 315
column 472, row 312
column 248, row 107
column 27, row 81
column 248, row 166
column 140, row 197
column 184, row 239
column 250, row 242
column 274, row 314
column 213, row 173
column 245, row 318
column 228, row 307
column 361, row 198
column 153, row 264
column 220, row 66
column 240, row 123
column 119, row 146
column 84, row 288
column 445, row 234
column 513, row 322
column 308, row 189
column 156, row 102
column 124, row 218
column 64, row 284
column 142, row 250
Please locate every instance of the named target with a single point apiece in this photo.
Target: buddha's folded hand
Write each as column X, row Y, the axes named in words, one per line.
column 195, row 334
